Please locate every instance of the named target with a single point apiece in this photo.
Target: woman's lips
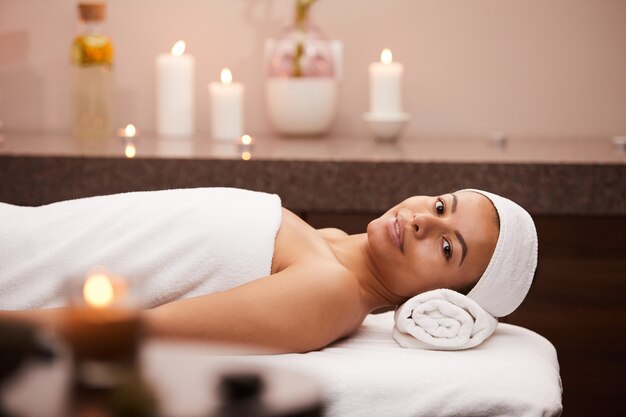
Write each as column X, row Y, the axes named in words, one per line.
column 395, row 229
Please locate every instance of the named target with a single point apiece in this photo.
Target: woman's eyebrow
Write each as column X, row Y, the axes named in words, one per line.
column 459, row 237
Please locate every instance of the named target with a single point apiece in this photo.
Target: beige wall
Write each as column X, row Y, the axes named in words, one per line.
column 531, row 68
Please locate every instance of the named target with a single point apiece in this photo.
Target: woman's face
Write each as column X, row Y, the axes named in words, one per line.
column 425, row 243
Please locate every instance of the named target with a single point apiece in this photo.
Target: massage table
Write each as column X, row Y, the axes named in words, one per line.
column 513, row 373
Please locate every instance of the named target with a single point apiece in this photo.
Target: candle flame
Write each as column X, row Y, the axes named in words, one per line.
column 130, row 131
column 386, row 57
column 98, row 290
column 226, row 76
column 246, row 156
column 179, row 48
column 246, row 140
column 130, row 151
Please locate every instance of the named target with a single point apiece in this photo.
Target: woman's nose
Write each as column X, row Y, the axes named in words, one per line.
column 423, row 223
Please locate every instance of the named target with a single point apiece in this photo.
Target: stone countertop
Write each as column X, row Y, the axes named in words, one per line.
column 548, row 177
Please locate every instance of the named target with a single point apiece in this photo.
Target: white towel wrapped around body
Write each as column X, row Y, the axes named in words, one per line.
column 170, row 244
column 442, row 319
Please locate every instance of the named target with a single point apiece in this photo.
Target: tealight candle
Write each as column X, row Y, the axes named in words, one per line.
column 128, row 135
column 246, row 144
column 127, row 132
column 386, row 85
column 226, row 100
column 246, row 140
column 174, row 98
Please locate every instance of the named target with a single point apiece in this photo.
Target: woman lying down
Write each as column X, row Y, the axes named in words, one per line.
column 233, row 266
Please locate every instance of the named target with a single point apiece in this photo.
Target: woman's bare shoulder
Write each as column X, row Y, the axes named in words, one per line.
column 298, row 243
column 331, row 287
column 332, row 279
column 326, row 272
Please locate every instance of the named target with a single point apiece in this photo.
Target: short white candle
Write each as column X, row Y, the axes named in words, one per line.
column 386, row 85
column 226, row 100
column 175, row 100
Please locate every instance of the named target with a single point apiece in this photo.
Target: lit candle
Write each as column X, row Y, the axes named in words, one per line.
column 226, row 99
column 386, row 85
column 98, row 291
column 175, row 100
column 128, row 135
column 246, row 140
column 246, row 144
column 100, row 323
column 127, row 132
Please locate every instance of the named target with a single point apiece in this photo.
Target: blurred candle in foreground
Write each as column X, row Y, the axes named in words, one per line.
column 174, row 92
column 101, row 322
column 226, row 100
column 386, row 85
column 98, row 291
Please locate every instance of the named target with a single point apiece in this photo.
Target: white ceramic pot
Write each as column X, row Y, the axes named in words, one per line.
column 301, row 106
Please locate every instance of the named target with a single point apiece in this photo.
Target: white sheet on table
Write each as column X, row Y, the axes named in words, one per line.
column 514, row 373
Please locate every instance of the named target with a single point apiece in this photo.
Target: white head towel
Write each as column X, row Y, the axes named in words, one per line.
column 506, row 281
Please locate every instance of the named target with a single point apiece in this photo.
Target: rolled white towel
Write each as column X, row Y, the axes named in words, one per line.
column 442, row 320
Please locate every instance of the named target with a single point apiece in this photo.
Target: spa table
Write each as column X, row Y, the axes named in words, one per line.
column 574, row 188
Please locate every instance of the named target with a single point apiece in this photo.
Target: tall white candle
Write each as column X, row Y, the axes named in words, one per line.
column 175, row 99
column 386, row 85
column 226, row 100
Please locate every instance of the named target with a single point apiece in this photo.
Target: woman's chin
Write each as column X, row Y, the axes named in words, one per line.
column 372, row 228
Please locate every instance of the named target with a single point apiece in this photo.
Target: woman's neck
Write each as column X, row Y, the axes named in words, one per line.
column 353, row 252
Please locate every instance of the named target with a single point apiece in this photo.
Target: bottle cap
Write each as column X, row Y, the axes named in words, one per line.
column 92, row 11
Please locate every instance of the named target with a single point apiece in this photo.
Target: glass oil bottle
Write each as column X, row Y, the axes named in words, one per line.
column 92, row 77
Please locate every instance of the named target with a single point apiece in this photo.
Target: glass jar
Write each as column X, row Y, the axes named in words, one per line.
column 92, row 76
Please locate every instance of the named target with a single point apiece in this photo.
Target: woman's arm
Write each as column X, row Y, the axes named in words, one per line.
column 295, row 310
column 299, row 309
column 48, row 317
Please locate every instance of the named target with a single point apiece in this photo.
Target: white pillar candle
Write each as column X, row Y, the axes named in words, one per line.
column 174, row 90
column 226, row 100
column 386, row 85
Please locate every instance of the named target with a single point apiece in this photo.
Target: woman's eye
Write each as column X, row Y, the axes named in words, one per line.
column 439, row 206
column 447, row 249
